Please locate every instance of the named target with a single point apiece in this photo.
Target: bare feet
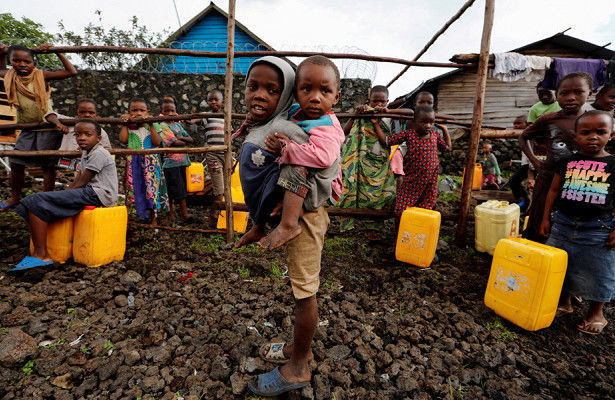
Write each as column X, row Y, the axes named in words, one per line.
column 253, row 235
column 279, row 236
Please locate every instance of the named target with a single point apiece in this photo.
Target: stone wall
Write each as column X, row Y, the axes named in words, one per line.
column 113, row 89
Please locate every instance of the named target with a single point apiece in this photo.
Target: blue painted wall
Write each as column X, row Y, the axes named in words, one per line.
column 210, row 34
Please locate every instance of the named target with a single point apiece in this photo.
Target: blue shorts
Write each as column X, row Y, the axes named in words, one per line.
column 591, row 264
column 53, row 206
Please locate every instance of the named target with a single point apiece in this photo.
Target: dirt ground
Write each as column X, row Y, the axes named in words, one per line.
column 136, row 330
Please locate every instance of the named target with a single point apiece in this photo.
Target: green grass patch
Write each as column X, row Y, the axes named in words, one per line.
column 505, row 334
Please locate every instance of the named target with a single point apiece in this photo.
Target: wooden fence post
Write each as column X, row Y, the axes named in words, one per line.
column 477, row 119
column 228, row 108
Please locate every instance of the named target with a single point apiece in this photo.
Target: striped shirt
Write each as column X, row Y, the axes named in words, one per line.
column 214, row 131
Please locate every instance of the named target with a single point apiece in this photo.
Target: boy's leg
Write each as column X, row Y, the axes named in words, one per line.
column 38, row 233
column 183, row 209
column 293, row 178
column 304, row 256
column 18, row 176
column 49, row 179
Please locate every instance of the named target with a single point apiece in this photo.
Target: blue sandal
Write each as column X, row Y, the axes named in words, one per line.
column 29, row 263
column 273, row 384
column 5, row 207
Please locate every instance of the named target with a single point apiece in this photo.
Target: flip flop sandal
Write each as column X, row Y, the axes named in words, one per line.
column 601, row 325
column 274, row 384
column 29, row 263
column 5, row 207
column 274, row 352
column 563, row 311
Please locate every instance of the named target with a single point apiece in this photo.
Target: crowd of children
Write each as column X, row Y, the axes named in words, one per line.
column 291, row 164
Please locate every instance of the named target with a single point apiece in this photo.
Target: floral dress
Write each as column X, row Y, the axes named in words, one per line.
column 421, row 167
column 144, row 181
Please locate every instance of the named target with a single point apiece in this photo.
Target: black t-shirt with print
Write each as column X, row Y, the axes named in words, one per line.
column 588, row 185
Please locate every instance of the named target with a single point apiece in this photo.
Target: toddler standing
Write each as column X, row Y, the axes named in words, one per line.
column 144, row 180
column 491, row 169
column 582, row 195
column 214, row 160
column 421, row 165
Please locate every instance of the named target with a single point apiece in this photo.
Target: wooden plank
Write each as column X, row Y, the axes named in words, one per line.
column 477, row 119
column 228, row 106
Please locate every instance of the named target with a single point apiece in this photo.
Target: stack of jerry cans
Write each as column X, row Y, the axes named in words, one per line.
column 525, row 282
column 59, row 240
column 495, row 220
column 100, row 235
column 417, row 237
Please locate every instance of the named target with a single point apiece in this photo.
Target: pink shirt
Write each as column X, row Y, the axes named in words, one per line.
column 321, row 151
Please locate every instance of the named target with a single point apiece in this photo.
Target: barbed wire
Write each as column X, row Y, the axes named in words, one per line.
column 349, row 68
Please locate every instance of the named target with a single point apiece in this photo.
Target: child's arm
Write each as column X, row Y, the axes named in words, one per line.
column 531, row 132
column 380, row 135
column 124, row 130
column 69, row 69
column 360, row 110
column 82, row 179
column 445, row 142
column 156, row 139
column 4, row 49
column 185, row 137
column 494, row 160
column 53, row 118
column 554, row 190
column 397, row 138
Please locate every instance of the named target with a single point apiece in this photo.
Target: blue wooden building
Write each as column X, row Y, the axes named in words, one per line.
column 207, row 31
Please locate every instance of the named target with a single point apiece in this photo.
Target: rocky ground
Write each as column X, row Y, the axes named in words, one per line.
column 146, row 328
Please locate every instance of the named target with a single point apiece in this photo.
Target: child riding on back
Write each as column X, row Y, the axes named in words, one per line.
column 582, row 193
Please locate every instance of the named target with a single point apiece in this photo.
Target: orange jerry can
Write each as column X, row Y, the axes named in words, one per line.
column 240, row 218
column 59, row 240
column 525, row 282
column 195, row 177
column 477, row 182
column 417, row 238
column 100, row 235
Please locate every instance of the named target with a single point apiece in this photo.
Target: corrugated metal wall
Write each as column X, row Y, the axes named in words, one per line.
column 210, row 34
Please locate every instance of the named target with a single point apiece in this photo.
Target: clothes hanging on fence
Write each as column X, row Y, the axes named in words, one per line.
column 510, row 67
column 564, row 66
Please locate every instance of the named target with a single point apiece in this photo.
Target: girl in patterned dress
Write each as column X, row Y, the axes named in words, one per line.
column 143, row 181
column 421, row 165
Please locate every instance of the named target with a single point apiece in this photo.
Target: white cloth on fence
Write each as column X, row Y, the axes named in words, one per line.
column 510, row 67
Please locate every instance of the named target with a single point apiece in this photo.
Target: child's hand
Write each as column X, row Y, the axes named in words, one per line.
column 545, row 227
column 275, row 142
column 44, row 46
column 62, row 128
column 383, row 110
column 611, row 242
column 362, row 108
column 125, row 118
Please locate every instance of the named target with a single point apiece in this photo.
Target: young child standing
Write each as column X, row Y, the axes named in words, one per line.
column 144, row 180
column 546, row 104
column 556, row 131
column 28, row 91
column 582, row 195
column 214, row 160
column 174, row 166
column 94, row 185
column 269, row 96
column 421, row 164
column 86, row 109
column 491, row 169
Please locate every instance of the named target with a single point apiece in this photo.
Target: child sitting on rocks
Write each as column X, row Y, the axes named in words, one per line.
column 95, row 185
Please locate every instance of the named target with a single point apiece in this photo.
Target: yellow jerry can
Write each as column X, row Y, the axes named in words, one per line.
column 477, row 181
column 495, row 220
column 240, row 218
column 59, row 240
column 195, row 177
column 100, row 235
column 525, row 282
column 235, row 180
column 417, row 237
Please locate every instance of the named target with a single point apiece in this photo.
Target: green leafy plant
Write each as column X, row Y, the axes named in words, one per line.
column 108, row 345
column 28, row 367
column 243, row 272
column 505, row 334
